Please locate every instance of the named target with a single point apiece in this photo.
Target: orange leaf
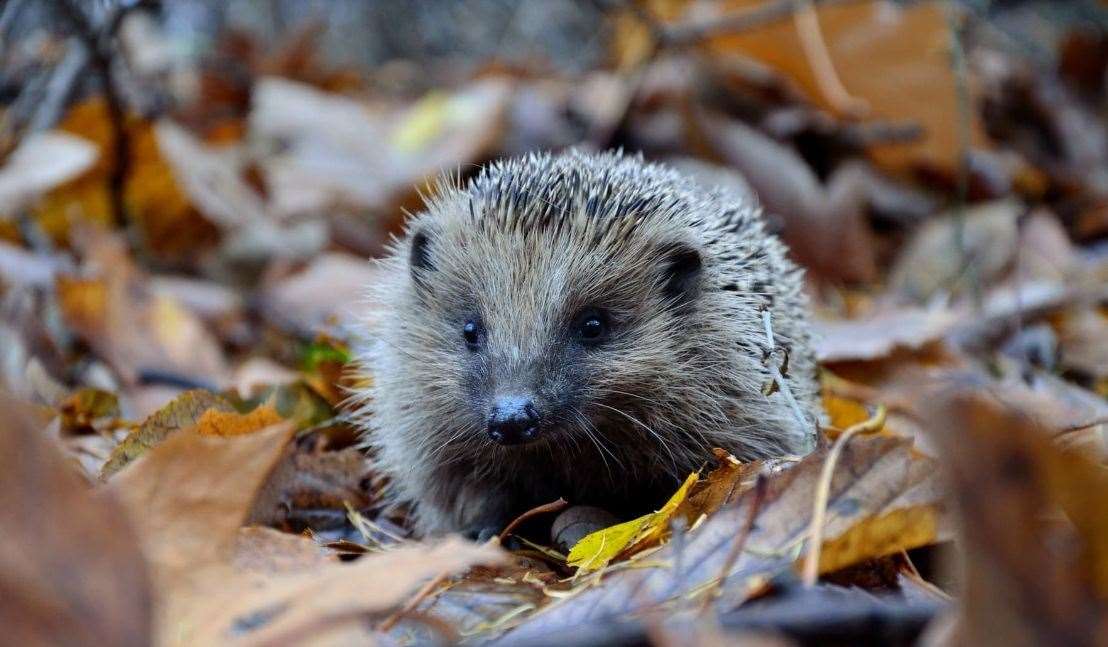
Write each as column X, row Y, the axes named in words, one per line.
column 231, row 423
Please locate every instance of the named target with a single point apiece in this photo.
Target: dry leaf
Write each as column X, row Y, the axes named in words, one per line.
column 71, row 570
column 872, row 44
column 214, row 481
column 214, row 181
column 168, row 223
column 312, row 485
column 190, row 533
column 726, row 483
column 43, row 161
column 339, row 152
column 881, row 333
column 951, row 253
column 332, row 289
column 284, row 608
column 131, row 327
column 267, row 551
column 214, row 422
column 825, row 225
column 1083, row 337
column 1028, row 579
column 183, row 412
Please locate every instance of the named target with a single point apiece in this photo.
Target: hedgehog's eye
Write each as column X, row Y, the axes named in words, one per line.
column 591, row 327
column 471, row 332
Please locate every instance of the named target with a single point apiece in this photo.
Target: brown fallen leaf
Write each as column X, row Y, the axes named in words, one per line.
column 870, row 42
column 215, row 481
column 337, row 152
column 214, row 180
column 951, row 253
column 135, row 330
column 314, row 487
column 300, row 606
column 726, row 483
column 880, row 333
column 825, row 225
column 259, row 549
column 71, row 571
column 1083, row 337
column 219, row 583
column 169, row 225
column 1029, row 578
column 332, row 289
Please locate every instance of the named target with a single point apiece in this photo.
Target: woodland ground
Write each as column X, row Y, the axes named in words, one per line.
column 191, row 191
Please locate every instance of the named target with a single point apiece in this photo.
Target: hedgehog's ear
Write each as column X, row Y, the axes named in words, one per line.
column 682, row 274
column 419, row 258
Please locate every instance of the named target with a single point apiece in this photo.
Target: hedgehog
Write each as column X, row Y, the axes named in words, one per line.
column 587, row 326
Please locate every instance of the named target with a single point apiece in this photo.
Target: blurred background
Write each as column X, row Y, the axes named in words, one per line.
column 189, row 189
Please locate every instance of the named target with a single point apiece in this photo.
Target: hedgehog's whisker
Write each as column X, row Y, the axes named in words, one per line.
column 661, row 442
column 591, row 432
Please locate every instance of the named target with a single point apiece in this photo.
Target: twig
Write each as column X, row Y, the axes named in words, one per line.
column 692, row 32
column 1102, row 420
column 823, row 491
column 777, row 373
column 815, row 49
column 737, row 547
column 553, row 506
column 99, row 45
column 964, row 113
column 930, row 587
column 60, row 87
column 424, row 591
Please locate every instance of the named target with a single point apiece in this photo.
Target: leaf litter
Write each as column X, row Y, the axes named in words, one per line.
column 191, row 360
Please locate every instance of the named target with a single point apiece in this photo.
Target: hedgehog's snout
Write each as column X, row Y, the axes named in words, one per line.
column 514, row 420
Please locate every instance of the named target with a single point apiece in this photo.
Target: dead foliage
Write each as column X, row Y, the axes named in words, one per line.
column 185, row 245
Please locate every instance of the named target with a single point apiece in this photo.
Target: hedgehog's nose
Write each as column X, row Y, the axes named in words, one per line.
column 514, row 420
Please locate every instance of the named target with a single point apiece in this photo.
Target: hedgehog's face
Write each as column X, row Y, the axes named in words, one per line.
column 544, row 336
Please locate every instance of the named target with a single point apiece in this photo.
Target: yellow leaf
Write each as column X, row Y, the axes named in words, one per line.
column 423, row 123
column 231, row 423
column 844, row 412
column 887, row 534
column 597, row 549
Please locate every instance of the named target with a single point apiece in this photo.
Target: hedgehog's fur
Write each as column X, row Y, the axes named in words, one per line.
column 526, row 245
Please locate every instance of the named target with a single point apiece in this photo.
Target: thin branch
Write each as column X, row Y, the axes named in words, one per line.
column 738, row 545
column 823, row 68
column 412, row 602
column 553, row 506
column 689, row 33
column 777, row 372
column 823, row 492
column 99, row 43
